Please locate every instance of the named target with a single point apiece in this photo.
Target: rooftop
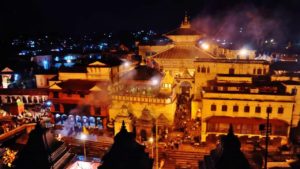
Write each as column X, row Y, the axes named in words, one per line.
column 79, row 85
column 183, row 52
column 232, row 61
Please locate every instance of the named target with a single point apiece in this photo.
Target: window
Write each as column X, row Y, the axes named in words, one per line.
column 265, row 71
column 29, row 99
column 8, row 99
column 208, row 70
column 213, row 107
column 294, row 91
column 259, row 71
column 269, row 109
column 257, row 109
column 203, row 70
column 247, row 109
column 224, row 107
column 235, row 108
column 280, row 110
column 35, row 100
column 198, row 69
column 231, row 71
column 24, row 99
column 254, row 71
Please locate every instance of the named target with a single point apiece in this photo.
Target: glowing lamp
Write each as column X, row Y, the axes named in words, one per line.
column 83, row 136
column 151, row 140
column 243, row 52
column 205, row 46
column 154, row 82
column 126, row 64
column 48, row 103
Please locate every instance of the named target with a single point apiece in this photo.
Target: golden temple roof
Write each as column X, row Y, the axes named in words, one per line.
column 183, row 52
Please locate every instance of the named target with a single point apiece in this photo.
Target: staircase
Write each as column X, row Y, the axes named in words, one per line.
column 177, row 159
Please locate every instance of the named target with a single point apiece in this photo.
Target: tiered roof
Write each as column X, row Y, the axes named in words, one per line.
column 183, row 52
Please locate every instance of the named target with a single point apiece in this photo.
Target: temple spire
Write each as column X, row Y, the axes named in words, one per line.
column 123, row 128
column 186, row 22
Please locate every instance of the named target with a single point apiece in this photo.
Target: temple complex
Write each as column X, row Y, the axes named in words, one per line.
column 221, row 86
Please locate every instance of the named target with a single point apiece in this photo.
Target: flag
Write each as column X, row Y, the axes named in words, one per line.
column 84, row 130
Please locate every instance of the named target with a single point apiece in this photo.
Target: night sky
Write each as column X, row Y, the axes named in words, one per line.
column 85, row 16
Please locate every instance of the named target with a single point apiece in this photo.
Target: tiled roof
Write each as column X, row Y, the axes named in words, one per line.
column 183, row 52
column 78, row 85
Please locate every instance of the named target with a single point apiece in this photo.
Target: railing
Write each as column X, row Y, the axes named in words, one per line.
column 144, row 99
column 13, row 132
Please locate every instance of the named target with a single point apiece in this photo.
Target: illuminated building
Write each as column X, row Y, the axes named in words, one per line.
column 82, row 93
column 144, row 88
column 228, row 86
column 6, row 75
column 16, row 100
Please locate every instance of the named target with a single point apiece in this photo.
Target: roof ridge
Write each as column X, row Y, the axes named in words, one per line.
column 212, row 56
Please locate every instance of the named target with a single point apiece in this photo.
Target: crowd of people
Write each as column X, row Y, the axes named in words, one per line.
column 9, row 122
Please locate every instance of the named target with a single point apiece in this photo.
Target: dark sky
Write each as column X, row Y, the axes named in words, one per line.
column 81, row 16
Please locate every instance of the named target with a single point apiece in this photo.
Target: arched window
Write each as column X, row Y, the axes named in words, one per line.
column 254, row 71
column 259, row 71
column 235, row 108
column 208, row 70
column 203, row 70
column 24, row 99
column 257, row 109
column 265, row 71
column 35, row 100
column 198, row 69
column 29, row 99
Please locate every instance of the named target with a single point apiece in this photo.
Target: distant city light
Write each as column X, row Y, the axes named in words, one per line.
column 56, row 58
column 205, row 46
column 16, row 77
column 69, row 61
column 46, row 64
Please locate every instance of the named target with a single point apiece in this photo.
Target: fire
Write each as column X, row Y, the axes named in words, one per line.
column 8, row 157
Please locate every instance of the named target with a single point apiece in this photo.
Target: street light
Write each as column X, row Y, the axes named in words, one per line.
column 268, row 131
column 205, row 46
column 83, row 137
